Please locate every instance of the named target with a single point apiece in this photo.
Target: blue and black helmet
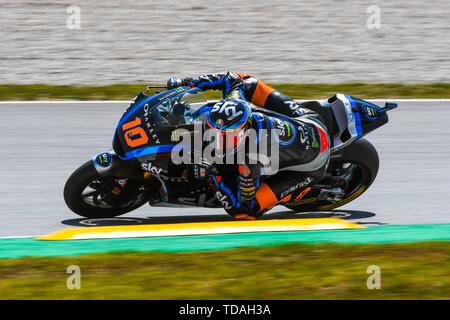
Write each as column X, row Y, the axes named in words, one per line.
column 229, row 115
column 230, row 118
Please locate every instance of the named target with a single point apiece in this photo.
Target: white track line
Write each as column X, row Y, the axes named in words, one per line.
column 126, row 102
column 15, row 237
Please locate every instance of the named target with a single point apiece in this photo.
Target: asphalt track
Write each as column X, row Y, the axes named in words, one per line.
column 42, row 143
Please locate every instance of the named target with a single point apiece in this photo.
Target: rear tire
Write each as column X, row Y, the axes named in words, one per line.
column 79, row 181
column 363, row 155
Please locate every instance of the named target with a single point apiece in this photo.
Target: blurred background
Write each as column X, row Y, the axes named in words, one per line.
column 125, row 41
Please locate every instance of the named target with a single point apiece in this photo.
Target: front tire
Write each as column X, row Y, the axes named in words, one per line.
column 101, row 202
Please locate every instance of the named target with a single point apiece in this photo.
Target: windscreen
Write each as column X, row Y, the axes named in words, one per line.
column 180, row 109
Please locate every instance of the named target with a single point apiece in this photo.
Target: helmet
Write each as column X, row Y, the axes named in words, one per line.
column 229, row 118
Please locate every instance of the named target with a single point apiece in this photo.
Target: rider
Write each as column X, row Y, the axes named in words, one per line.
column 304, row 145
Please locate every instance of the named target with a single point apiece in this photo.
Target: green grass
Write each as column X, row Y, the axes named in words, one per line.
column 408, row 271
column 297, row 91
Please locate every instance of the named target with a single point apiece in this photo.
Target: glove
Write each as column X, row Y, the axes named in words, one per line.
column 174, row 83
column 246, row 183
column 247, row 189
column 204, row 170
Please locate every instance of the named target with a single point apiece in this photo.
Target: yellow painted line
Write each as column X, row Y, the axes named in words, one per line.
column 200, row 228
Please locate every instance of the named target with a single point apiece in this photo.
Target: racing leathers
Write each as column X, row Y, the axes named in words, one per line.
column 303, row 143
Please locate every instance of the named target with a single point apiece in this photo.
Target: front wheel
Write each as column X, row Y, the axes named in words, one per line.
column 91, row 195
column 352, row 170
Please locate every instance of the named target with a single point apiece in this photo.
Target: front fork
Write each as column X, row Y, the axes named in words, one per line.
column 108, row 164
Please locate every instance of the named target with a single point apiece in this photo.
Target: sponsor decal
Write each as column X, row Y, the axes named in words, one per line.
column 371, row 111
column 174, row 179
column 287, row 131
column 233, row 95
column 201, row 201
column 223, row 199
column 168, row 95
column 122, row 182
column 116, row 190
column 309, row 200
column 104, row 159
column 149, row 125
column 151, row 168
column 302, row 184
column 295, row 107
column 228, row 108
column 315, row 144
column 302, row 194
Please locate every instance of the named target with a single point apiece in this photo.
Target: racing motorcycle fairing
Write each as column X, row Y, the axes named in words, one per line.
column 352, row 118
column 146, row 133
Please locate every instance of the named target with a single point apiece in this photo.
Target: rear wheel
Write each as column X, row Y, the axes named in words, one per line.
column 353, row 170
column 91, row 195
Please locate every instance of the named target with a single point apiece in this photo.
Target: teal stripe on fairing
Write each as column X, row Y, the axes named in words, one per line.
column 28, row 247
column 154, row 149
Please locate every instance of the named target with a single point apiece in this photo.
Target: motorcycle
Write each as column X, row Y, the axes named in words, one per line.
column 138, row 169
